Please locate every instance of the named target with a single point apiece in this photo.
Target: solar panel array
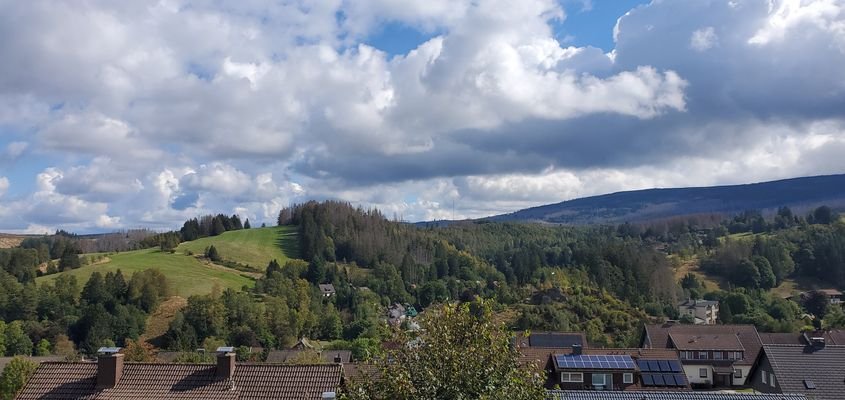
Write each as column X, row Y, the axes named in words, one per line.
column 595, row 361
column 659, row 366
column 650, row 379
column 661, row 373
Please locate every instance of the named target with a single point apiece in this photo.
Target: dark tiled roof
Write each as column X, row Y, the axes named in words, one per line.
column 612, row 395
column 706, row 341
column 558, row 340
column 825, row 367
column 781, row 338
column 747, row 334
column 835, row 336
column 651, row 354
column 183, row 381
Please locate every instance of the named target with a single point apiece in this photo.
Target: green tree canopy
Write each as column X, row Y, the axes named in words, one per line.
column 459, row 353
column 14, row 377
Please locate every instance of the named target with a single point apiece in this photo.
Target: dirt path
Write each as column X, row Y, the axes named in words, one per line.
column 691, row 265
column 159, row 321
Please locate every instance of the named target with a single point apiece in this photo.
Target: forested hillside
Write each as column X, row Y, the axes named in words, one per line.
column 643, row 205
column 603, row 280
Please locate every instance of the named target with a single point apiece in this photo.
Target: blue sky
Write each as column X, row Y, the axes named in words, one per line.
column 169, row 110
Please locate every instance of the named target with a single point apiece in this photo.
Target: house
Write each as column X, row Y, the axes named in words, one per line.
column 396, row 314
column 110, row 378
column 550, row 340
column 712, row 355
column 816, row 370
column 617, row 370
column 835, row 296
column 701, row 311
column 327, row 290
column 830, row 336
column 291, row 356
column 595, row 395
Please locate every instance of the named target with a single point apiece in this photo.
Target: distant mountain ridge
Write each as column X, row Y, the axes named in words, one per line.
column 650, row 204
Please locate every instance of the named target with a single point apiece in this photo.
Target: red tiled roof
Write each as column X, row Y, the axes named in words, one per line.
column 706, row 341
column 747, row 334
column 59, row 380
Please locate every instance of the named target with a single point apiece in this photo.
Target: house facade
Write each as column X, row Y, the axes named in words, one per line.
column 616, row 370
column 703, row 312
column 713, row 356
column 815, row 369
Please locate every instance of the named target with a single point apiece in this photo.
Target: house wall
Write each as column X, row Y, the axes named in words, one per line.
column 616, row 381
column 756, row 381
column 693, row 375
column 746, row 369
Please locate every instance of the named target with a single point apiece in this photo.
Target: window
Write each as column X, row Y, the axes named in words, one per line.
column 738, row 355
column 763, row 376
column 702, row 372
column 599, row 380
column 683, row 355
column 737, row 373
column 702, row 355
column 571, row 377
column 628, row 378
column 772, row 380
column 717, row 355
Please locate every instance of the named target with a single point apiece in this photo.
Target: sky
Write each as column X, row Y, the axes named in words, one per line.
column 129, row 114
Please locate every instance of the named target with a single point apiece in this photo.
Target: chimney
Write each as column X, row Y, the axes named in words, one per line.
column 576, row 349
column 226, row 362
column 338, row 359
column 109, row 367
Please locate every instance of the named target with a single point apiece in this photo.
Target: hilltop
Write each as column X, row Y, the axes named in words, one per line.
column 651, row 204
column 254, row 247
column 187, row 275
column 188, row 272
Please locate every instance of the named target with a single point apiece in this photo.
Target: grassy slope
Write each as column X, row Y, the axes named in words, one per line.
column 187, row 275
column 255, row 247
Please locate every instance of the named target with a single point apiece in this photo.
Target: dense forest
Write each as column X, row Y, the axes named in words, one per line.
column 603, row 280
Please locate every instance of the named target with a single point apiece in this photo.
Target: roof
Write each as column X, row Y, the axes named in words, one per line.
column 832, row 336
column 781, row 338
column 704, row 341
column 355, row 372
column 698, row 303
column 538, row 356
column 747, row 335
column 551, row 340
column 283, row 356
column 326, row 288
column 617, row 395
column 65, row 380
column 793, row 364
column 830, row 292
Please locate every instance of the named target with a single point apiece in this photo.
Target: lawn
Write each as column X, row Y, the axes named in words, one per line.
column 255, row 247
column 187, row 275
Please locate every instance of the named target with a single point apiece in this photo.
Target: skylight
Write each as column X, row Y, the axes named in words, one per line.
column 809, row 384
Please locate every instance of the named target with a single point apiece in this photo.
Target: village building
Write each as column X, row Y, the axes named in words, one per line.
column 702, row 312
column 718, row 356
column 815, row 369
column 327, row 289
column 110, row 378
